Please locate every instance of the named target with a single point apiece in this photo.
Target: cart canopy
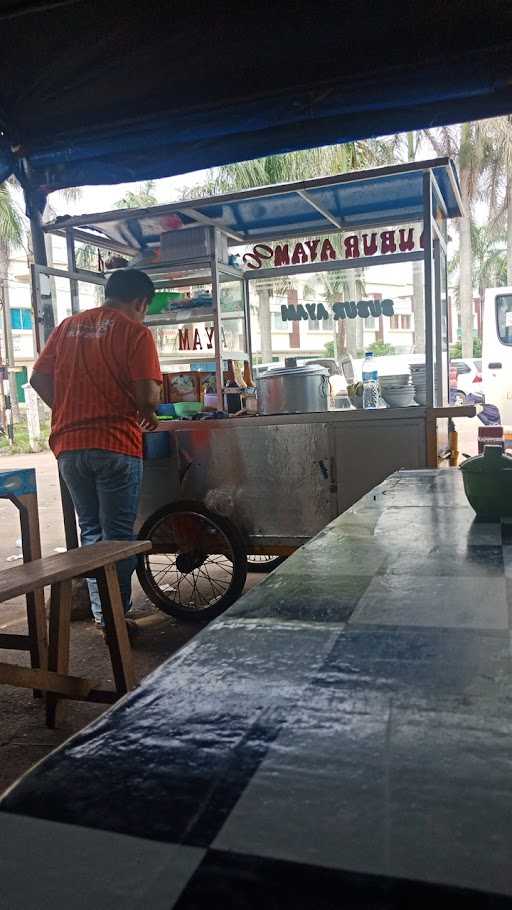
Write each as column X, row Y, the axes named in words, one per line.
column 382, row 196
column 94, row 92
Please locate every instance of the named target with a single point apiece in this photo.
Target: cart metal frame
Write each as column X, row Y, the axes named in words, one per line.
column 121, row 231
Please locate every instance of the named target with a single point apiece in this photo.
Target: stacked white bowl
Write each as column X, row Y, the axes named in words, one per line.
column 419, row 381
column 396, row 390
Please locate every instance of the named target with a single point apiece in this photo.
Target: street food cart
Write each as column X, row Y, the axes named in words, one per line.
column 248, row 490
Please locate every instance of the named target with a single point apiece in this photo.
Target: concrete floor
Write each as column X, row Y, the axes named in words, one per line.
column 24, row 738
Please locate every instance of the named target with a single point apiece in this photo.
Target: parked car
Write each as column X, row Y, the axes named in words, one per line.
column 467, row 381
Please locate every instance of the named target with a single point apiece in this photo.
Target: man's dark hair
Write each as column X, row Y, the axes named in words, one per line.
column 127, row 285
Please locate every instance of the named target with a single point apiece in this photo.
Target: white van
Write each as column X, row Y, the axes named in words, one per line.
column 497, row 351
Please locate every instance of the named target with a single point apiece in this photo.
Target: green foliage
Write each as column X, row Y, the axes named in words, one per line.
column 456, row 349
column 381, row 348
column 329, row 349
column 141, row 198
column 11, row 220
column 21, row 445
column 301, row 165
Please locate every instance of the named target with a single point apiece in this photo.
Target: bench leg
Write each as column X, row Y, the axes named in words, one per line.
column 58, row 646
column 36, row 613
column 36, row 622
column 115, row 628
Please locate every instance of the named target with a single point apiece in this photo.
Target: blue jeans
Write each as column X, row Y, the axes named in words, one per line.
column 105, row 489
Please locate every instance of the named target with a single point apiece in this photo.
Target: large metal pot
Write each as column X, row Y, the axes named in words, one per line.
column 293, row 390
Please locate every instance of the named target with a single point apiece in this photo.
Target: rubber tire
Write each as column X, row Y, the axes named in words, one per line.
column 239, row 566
column 263, row 568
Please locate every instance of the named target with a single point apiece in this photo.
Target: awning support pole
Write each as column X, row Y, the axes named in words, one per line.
column 40, row 258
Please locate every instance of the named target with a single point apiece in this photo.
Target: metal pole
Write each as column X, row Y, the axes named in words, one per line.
column 48, row 323
column 73, row 283
column 429, row 322
column 247, row 316
column 40, row 258
column 219, row 376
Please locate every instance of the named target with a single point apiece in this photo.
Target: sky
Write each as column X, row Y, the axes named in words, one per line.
column 104, row 198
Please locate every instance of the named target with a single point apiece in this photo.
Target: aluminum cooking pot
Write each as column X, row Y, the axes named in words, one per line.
column 293, row 390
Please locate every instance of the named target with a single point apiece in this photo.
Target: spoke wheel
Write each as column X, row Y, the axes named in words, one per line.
column 264, row 563
column 198, row 565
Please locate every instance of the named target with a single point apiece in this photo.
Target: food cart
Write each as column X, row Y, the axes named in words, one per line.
column 227, row 493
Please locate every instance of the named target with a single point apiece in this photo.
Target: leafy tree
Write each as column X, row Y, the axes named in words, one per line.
column 12, row 234
column 456, row 349
column 471, row 144
column 140, row 198
column 489, row 258
column 301, row 165
column 381, row 348
column 499, row 185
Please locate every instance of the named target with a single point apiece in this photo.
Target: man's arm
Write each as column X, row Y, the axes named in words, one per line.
column 147, row 396
column 43, row 385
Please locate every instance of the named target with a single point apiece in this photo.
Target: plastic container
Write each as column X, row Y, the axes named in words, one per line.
column 156, row 445
column 165, row 410
column 370, row 383
column 161, row 300
column 187, row 408
column 488, row 483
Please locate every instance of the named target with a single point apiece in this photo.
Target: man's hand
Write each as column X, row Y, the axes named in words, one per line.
column 147, row 396
column 148, row 421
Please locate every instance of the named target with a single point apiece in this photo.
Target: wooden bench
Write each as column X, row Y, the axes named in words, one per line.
column 98, row 560
column 19, row 486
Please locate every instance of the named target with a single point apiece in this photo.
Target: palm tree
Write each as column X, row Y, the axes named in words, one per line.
column 141, row 198
column 471, row 145
column 489, row 258
column 12, row 234
column 413, row 139
column 499, row 184
column 301, row 165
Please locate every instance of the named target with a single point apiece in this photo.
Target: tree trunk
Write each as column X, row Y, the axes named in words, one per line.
column 7, row 331
column 418, row 307
column 466, row 272
column 351, row 324
column 509, row 226
column 418, row 286
column 265, row 324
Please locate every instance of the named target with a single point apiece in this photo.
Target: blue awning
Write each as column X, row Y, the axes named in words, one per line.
column 383, row 196
column 94, row 92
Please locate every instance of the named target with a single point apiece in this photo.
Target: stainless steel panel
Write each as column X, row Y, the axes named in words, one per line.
column 283, row 481
column 270, row 481
column 367, row 453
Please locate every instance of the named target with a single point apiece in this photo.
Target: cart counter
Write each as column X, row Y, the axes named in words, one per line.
column 280, row 479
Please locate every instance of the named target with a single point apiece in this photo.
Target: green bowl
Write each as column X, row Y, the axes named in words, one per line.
column 187, row 408
column 488, row 484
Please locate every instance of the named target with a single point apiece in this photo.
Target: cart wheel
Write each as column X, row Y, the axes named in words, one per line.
column 198, row 565
column 264, row 563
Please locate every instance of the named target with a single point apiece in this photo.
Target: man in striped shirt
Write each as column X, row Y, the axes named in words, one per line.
column 100, row 375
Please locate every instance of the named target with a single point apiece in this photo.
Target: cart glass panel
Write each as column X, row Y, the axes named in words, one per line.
column 327, row 314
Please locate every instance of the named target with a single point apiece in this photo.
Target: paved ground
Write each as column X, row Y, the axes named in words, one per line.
column 24, row 738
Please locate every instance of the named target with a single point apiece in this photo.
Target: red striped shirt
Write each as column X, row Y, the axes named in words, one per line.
column 95, row 358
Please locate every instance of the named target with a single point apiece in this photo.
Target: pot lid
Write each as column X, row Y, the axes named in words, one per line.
column 307, row 370
column 490, row 462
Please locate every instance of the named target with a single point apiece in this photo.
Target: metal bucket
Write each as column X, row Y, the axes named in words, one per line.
column 293, row 390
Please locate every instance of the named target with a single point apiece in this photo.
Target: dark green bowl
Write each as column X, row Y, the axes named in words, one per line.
column 488, row 484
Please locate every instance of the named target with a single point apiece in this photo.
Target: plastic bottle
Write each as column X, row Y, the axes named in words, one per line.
column 370, row 382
